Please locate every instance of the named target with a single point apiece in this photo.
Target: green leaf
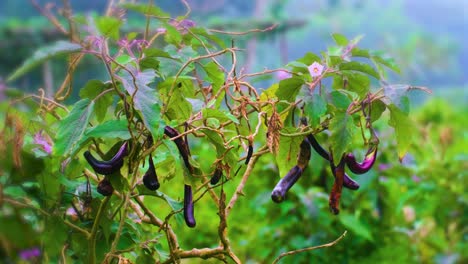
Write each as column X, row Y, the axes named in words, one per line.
column 315, row 107
column 335, row 51
column 218, row 114
column 377, row 108
column 288, row 151
column 178, row 108
column 153, row 52
column 397, row 95
column 71, row 128
column 145, row 99
column 56, row 49
column 109, row 129
column 215, row 75
column 340, row 100
column 172, row 35
column 342, row 130
column 109, row 27
column 380, row 58
column 309, row 58
column 91, row 90
column 355, row 82
column 145, row 9
column 229, row 155
column 356, row 226
column 289, row 88
column 340, row 39
column 359, row 67
column 404, row 129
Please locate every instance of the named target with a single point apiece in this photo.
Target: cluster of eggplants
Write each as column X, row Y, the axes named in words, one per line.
column 107, row 167
column 279, row 192
column 341, row 178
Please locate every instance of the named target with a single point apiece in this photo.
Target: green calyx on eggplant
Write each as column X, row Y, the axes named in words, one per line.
column 188, row 207
column 110, row 166
column 150, row 179
column 218, row 173
column 181, row 146
column 279, row 192
column 105, row 187
column 364, row 166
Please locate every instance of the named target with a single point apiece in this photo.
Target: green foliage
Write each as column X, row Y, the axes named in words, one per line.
column 171, row 100
column 43, row 54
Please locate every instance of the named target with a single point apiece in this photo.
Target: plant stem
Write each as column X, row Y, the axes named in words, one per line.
column 92, row 236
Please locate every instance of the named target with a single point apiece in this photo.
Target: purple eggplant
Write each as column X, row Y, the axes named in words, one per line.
column 188, row 206
column 150, row 179
column 279, row 192
column 110, row 166
column 218, row 173
column 181, row 146
column 105, row 187
column 366, row 165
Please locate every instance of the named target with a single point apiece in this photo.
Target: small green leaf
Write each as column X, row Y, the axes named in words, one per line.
column 342, row 130
column 145, row 9
column 335, row 51
column 404, row 129
column 229, row 156
column 153, row 52
column 215, row 75
column 381, row 58
column 288, row 151
column 172, row 35
column 218, row 114
column 397, row 95
column 289, row 88
column 340, row 39
column 377, row 108
column 91, row 90
column 355, row 82
column 109, row 26
column 71, row 128
column 178, row 108
column 56, row 49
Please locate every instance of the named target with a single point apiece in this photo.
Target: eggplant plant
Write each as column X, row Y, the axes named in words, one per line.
column 168, row 83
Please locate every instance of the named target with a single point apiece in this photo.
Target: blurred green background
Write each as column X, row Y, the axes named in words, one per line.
column 409, row 212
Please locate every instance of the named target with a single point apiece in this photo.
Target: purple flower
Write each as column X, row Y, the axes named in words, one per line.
column 384, row 166
column 282, row 74
column 30, row 253
column 182, row 25
column 415, row 178
column 161, row 30
column 315, row 69
column 40, row 139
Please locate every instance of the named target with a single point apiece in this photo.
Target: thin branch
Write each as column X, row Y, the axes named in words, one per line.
column 244, row 32
column 309, row 248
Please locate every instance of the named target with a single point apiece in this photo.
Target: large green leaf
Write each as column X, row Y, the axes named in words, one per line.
column 404, row 129
column 109, row 27
column 45, row 53
column 218, row 114
column 145, row 99
column 289, row 88
column 288, row 151
column 340, row 39
column 72, row 127
column 342, row 130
